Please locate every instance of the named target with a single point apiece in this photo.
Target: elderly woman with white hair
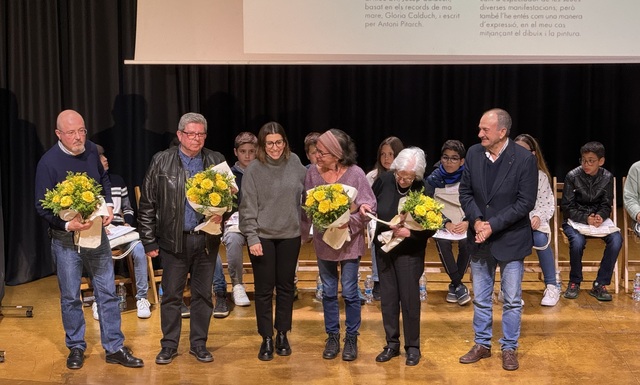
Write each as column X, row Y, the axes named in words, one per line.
column 400, row 268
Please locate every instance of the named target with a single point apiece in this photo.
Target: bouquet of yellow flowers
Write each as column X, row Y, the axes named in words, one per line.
column 77, row 194
column 210, row 192
column 423, row 210
column 416, row 212
column 325, row 204
column 328, row 207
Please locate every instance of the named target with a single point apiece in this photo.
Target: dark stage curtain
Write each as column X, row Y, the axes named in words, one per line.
column 69, row 54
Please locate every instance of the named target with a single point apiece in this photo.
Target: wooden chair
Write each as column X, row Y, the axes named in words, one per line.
column 85, row 283
column 155, row 275
column 630, row 265
column 590, row 266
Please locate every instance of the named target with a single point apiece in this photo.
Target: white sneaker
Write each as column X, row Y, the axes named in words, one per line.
column 240, row 296
column 501, row 298
column 143, row 308
column 94, row 310
column 551, row 296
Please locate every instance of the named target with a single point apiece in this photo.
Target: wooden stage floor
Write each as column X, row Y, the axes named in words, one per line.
column 576, row 342
column 579, row 341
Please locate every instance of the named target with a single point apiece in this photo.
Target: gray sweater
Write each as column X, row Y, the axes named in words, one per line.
column 271, row 199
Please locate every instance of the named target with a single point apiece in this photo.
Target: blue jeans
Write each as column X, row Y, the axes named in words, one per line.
column 140, row 270
column 484, row 271
column 98, row 263
column 233, row 243
column 545, row 257
column 349, row 281
column 219, row 282
column 577, row 243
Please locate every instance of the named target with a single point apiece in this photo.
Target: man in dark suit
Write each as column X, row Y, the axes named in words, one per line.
column 497, row 192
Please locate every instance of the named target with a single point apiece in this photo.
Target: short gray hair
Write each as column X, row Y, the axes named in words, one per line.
column 410, row 159
column 192, row 117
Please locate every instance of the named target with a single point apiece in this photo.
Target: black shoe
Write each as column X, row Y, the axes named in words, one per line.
column 266, row 349
column 350, row 351
column 201, row 353
column 462, row 295
column 75, row 360
column 451, row 294
column 332, row 346
column 376, row 291
column 221, row 308
column 600, row 292
column 185, row 312
column 282, row 344
column 413, row 359
column 387, row 354
column 572, row 290
column 166, row 355
column 124, row 358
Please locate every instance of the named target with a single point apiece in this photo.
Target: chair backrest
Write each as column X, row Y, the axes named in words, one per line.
column 136, row 191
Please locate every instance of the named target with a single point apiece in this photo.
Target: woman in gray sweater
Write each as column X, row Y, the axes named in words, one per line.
column 270, row 219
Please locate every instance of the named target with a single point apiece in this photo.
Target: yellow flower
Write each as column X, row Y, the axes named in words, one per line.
column 219, row 177
column 319, row 195
column 434, row 217
column 221, row 184
column 420, row 210
column 56, row 199
column 194, row 198
column 324, row 206
column 67, row 188
column 206, row 183
column 337, row 187
column 214, row 199
column 310, row 201
column 88, row 196
column 341, row 199
column 198, row 177
column 66, row 201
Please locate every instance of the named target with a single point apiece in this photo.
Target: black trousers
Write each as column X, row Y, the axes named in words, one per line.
column 196, row 260
column 399, row 288
column 454, row 268
column 276, row 268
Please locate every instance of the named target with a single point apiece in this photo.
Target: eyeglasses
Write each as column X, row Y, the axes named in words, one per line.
column 72, row 134
column 446, row 159
column 404, row 179
column 193, row 135
column 322, row 154
column 277, row 143
column 590, row 162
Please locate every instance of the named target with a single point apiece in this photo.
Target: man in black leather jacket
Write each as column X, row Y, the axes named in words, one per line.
column 166, row 223
column 587, row 198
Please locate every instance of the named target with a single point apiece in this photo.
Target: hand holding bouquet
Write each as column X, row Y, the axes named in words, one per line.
column 328, row 207
column 422, row 212
column 77, row 195
column 416, row 212
column 210, row 193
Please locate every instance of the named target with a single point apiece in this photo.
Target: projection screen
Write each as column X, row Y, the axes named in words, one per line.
column 386, row 31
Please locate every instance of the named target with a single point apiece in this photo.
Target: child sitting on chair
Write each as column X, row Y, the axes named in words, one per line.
column 587, row 198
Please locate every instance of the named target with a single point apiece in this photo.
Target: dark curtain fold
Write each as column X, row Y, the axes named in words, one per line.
column 69, row 54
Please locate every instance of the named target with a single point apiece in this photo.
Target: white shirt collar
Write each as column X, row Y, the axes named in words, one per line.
column 488, row 154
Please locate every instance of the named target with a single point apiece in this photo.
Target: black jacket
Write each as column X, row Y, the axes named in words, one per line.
column 583, row 194
column 161, row 211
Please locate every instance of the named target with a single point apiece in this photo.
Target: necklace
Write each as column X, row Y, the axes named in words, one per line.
column 400, row 192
